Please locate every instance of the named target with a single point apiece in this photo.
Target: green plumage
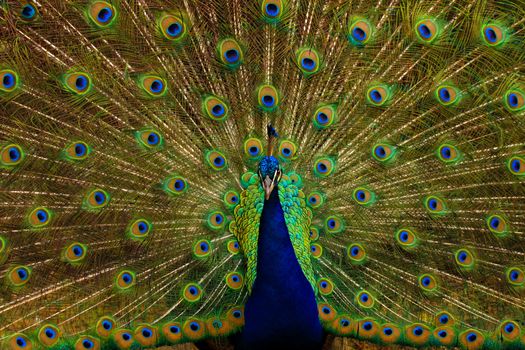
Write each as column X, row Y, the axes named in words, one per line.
column 131, row 130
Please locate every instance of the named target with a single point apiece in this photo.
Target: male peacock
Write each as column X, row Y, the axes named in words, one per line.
column 140, row 208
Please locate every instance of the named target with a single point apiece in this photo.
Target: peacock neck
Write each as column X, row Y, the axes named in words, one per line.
column 282, row 307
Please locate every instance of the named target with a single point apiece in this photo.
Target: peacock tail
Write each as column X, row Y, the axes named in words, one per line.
column 131, row 133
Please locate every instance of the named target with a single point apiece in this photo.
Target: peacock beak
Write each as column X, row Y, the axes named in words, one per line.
column 268, row 184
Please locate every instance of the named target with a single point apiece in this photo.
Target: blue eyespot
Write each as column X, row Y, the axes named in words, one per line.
column 28, row 11
column 376, row 96
column 471, row 337
column 218, row 161
column 425, row 281
column 174, row 29
column 322, row 168
column 153, row 138
column 231, row 55
column 126, row 336
column 21, row 342
column 100, row 197
column 194, row 326
column 174, row 329
column 322, row 118
column 146, row 333
column 380, row 152
column 268, row 101
column 218, row 110
column 105, row 14
column 178, row 185
column 443, row 319
column 364, row 297
column 403, row 236
column 354, row 251
column 360, row 195
column 387, row 331
column 308, row 63
column 50, row 333
column 80, row 150
column 367, row 325
column 157, row 86
column 442, row 334
column 359, row 34
column 107, row 325
column 513, row 100
column 514, row 274
column 509, row 328
column 490, row 35
column 193, row 290
column 446, row 152
column 417, row 331
column 77, row 250
column 41, row 215
column 14, row 154
column 87, row 344
column 142, row 227
column 272, row 10
column 462, row 256
column 326, row 310
column 126, row 277
column 81, row 83
column 345, row 323
column 9, row 80
column 424, row 31
column 444, row 95
column 494, row 222
column 204, row 247
column 432, row 204
column 237, row 314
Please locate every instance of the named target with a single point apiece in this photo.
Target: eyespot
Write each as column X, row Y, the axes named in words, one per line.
column 435, row 205
column 125, row 279
column 368, row 328
column 471, row 339
column 389, row 333
column 356, row 253
column 172, row 331
column 149, row 139
column 514, row 100
column 383, row 152
column 48, row 335
column 359, row 32
column 216, row 220
column 96, row 199
column 11, row 155
column 447, row 95
column 445, row 336
column 333, row 224
column 172, row 27
column 215, row 108
column 231, row 199
column 140, row 229
column 234, row 280
column 287, row 150
column 343, row 325
column 316, row 250
column 194, row 329
column 417, row 334
column 175, row 185
column 123, row 338
column 307, row 59
column 314, row 234
column 146, row 335
column 364, row 299
column 378, row 95
column 87, row 342
column 19, row 275
column 315, row 199
column 28, row 12
column 427, row 30
column 493, row 35
column 233, row 246
column 202, row 248
column 192, row 292
column 324, row 167
column 78, row 83
column 325, row 116
column 230, row 53
column 216, row 160
column 326, row 312
column 40, row 217
column 510, row 330
column 498, row 225
column 363, row 196
column 75, row 253
column 8, row 80
column 267, row 97
column 515, row 276
column 516, row 165
column 406, row 238
column 153, row 85
column 105, row 326
column 235, row 316
column 253, row 148
column 444, row 318
column 19, row 341
column 427, row 282
column 78, row 150
column 102, row 13
column 272, row 9
column 295, row 179
column 448, row 153
column 465, row 259
column 325, row 286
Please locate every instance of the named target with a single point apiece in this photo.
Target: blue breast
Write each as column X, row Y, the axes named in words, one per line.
column 281, row 312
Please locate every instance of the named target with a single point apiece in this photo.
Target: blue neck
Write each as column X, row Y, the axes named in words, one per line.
column 281, row 312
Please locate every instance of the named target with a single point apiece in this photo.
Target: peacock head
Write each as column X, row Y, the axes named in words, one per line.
column 270, row 174
column 269, row 170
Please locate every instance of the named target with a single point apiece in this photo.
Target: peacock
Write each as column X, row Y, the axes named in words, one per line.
column 262, row 174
